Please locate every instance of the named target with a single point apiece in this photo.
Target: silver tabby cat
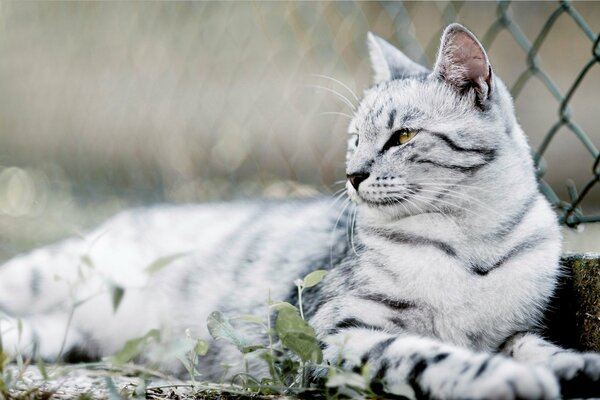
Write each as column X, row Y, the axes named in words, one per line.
column 453, row 257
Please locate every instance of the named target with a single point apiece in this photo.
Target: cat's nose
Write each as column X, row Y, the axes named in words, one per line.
column 356, row 179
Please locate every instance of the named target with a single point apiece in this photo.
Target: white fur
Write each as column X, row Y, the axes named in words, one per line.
column 448, row 251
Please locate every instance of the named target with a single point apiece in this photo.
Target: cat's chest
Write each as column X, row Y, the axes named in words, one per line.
column 415, row 271
column 448, row 301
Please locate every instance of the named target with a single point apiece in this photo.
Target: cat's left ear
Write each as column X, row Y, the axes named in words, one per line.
column 463, row 63
column 389, row 63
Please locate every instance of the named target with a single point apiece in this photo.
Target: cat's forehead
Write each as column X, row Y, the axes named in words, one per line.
column 405, row 104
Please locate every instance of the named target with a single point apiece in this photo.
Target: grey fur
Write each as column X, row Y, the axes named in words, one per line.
column 446, row 255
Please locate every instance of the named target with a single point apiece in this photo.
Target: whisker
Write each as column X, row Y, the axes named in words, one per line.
column 341, row 96
column 337, row 198
column 438, row 209
column 470, row 198
column 335, row 113
column 464, row 196
column 352, row 230
column 448, row 203
column 432, row 183
column 339, row 82
column 347, row 202
column 339, row 191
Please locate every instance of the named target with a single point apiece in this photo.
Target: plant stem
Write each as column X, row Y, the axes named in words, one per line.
column 270, row 336
column 300, row 289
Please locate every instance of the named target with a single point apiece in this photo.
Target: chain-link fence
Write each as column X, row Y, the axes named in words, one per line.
column 105, row 105
column 569, row 208
column 571, row 213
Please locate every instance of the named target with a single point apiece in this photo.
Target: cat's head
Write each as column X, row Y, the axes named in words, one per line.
column 419, row 138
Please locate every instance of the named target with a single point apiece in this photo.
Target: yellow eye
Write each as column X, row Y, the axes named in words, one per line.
column 406, row 136
column 400, row 137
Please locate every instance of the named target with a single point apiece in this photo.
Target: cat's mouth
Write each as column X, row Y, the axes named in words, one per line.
column 388, row 202
column 397, row 197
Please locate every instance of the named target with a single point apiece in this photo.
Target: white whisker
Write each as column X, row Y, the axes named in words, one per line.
column 462, row 196
column 447, row 203
column 339, row 82
column 341, row 96
column 347, row 202
column 352, row 230
column 335, row 113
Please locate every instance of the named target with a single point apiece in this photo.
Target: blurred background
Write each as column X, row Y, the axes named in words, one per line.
column 109, row 105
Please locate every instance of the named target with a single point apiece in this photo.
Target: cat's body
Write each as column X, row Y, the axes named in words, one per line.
column 229, row 264
column 451, row 256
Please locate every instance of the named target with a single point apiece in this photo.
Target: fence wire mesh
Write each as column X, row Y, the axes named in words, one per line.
column 569, row 208
column 104, row 104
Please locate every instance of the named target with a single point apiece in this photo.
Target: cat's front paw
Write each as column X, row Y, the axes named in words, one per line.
column 506, row 379
column 579, row 373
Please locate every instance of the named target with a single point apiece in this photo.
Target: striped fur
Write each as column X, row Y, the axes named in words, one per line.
column 448, row 254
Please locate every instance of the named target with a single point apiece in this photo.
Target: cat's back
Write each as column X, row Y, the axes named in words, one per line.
column 140, row 245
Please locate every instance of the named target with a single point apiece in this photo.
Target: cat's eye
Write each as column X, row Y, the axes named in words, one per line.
column 400, row 137
column 355, row 138
column 406, row 136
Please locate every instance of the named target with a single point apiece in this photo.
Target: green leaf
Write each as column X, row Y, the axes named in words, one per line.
column 220, row 328
column 201, row 347
column 280, row 305
column 117, row 293
column 87, row 260
column 252, row 319
column 252, row 348
column 134, row 347
column 314, row 278
column 297, row 335
column 19, row 328
column 113, row 393
column 162, row 262
column 4, row 360
column 42, row 368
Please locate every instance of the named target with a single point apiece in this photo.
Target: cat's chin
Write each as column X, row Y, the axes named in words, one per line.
column 377, row 212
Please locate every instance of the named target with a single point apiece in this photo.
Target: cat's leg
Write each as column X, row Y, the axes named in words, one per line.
column 438, row 370
column 579, row 373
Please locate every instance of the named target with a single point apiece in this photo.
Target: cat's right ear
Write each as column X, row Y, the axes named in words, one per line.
column 389, row 63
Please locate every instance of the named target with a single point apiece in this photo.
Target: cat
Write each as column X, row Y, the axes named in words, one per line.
column 452, row 257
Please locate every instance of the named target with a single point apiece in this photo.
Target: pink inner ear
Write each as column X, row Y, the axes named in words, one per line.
column 468, row 56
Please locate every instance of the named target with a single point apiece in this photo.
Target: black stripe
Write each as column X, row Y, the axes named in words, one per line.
column 489, row 154
column 373, row 115
column 353, row 323
column 440, row 357
column 377, row 350
column 482, row 368
column 509, row 226
column 398, row 322
column 528, row 244
column 403, row 238
column 377, row 381
column 394, row 304
column 382, row 370
column 461, row 168
column 35, row 281
column 413, row 377
column 391, row 119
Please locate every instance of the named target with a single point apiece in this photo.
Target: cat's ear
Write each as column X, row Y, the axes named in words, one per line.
column 463, row 63
column 389, row 63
